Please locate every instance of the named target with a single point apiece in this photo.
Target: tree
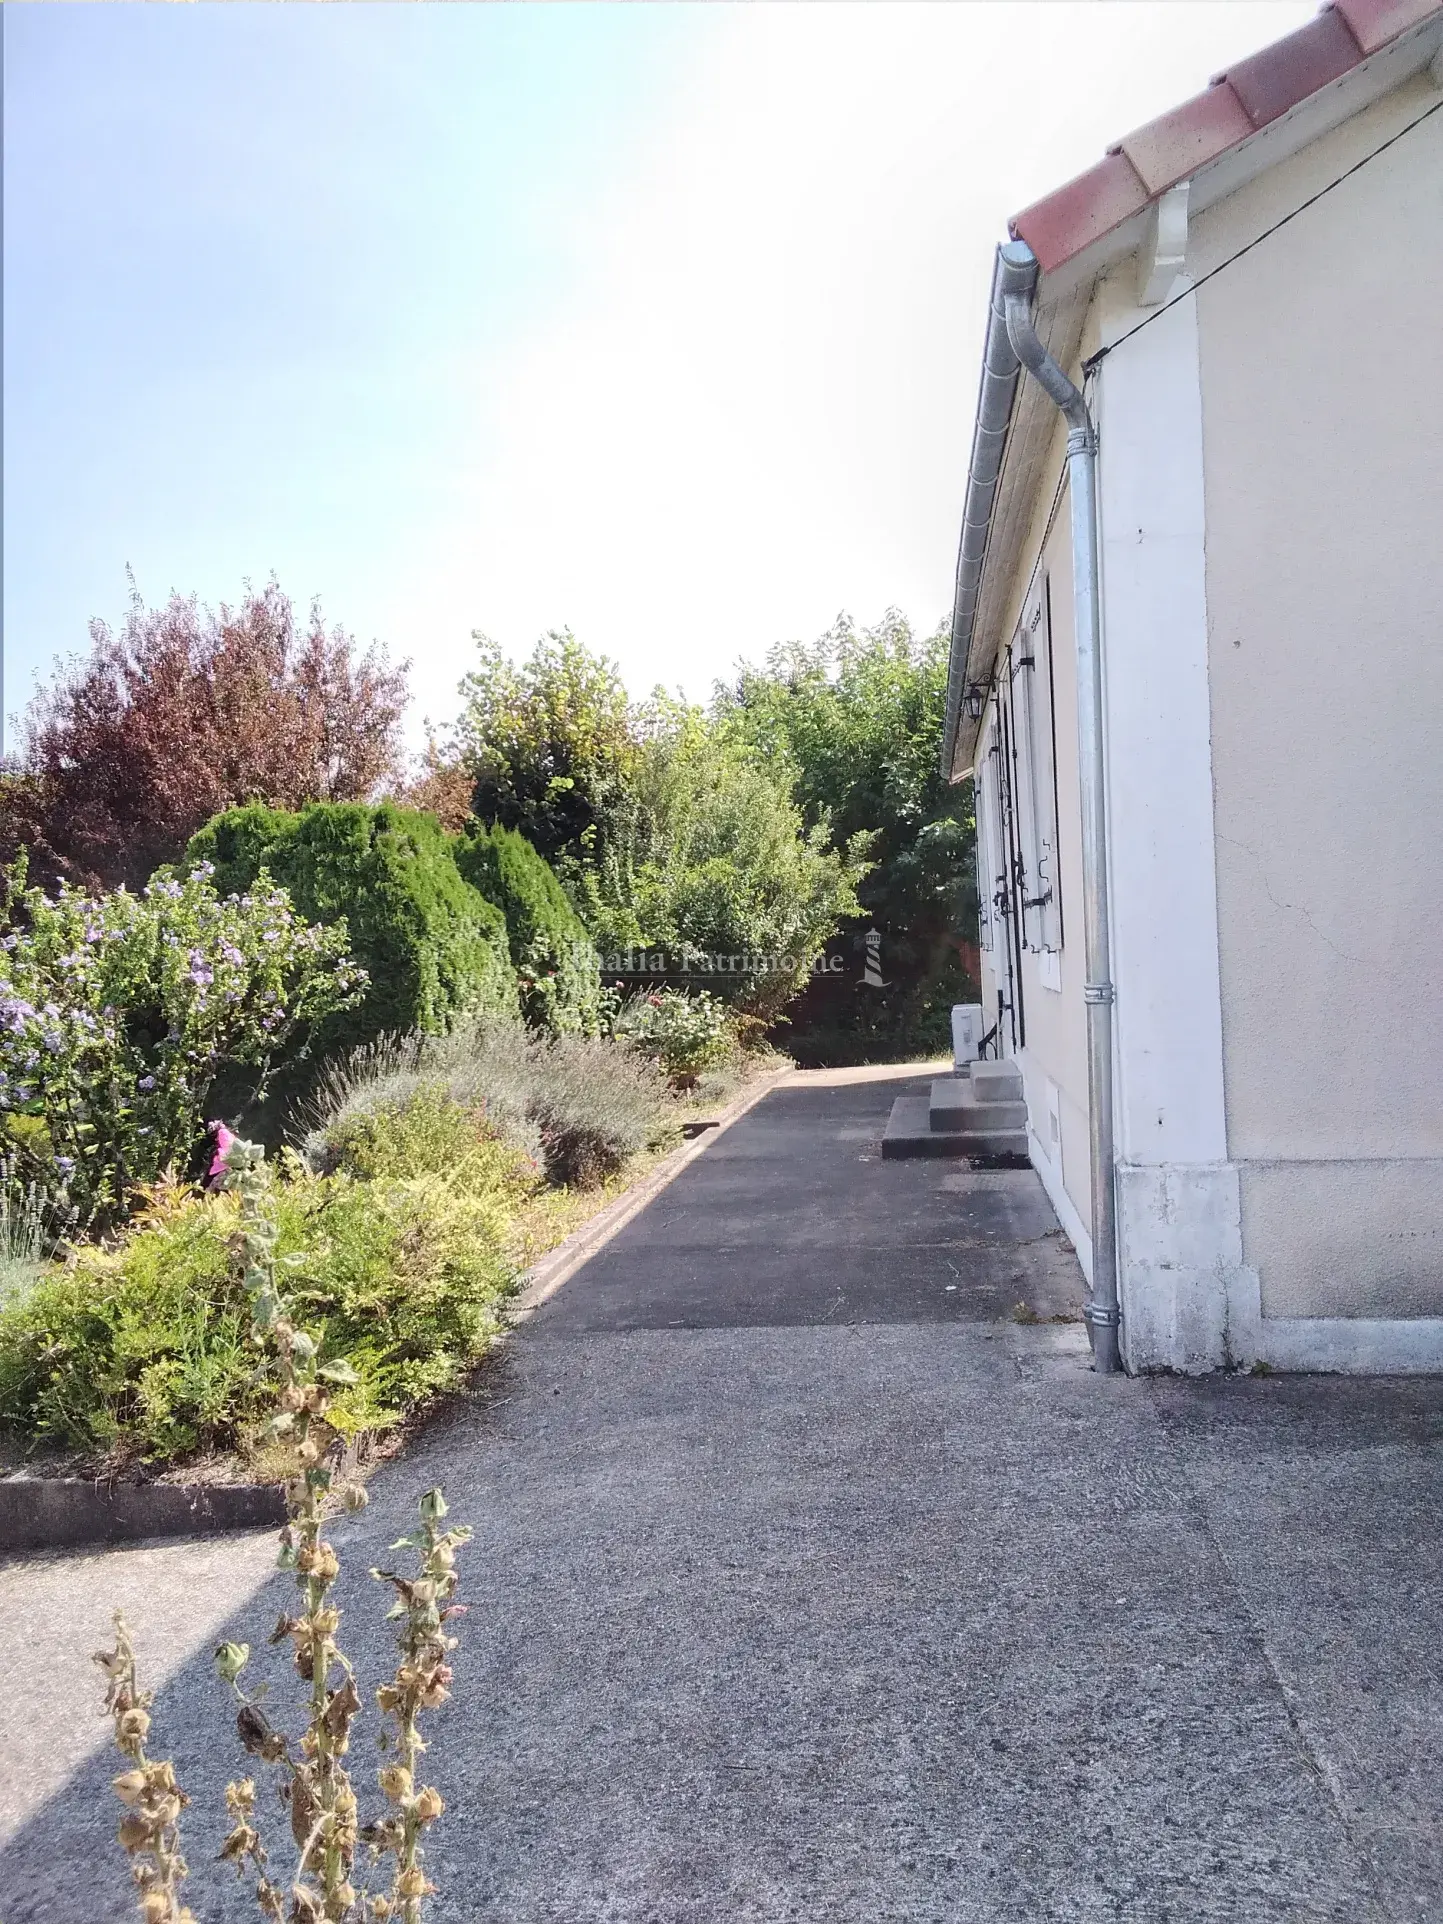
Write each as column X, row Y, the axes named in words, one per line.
column 709, row 861
column 441, row 786
column 187, row 711
column 550, row 746
column 854, row 721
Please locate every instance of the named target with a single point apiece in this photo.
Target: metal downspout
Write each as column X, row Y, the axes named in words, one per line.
column 1018, row 275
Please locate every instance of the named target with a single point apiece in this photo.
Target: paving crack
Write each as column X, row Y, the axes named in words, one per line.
column 1312, row 1755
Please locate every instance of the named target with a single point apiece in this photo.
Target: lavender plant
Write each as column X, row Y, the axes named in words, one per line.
column 315, row 1783
column 118, row 1011
column 29, row 1219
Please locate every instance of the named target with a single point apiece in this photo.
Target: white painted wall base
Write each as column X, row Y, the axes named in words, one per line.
column 1057, row 1195
column 1404, row 1346
column 1189, row 1302
column 1184, row 1312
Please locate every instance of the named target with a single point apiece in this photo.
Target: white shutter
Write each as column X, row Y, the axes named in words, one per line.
column 1032, row 707
column 981, row 850
column 991, row 865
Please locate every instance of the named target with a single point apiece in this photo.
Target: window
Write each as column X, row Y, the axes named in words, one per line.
column 1036, row 749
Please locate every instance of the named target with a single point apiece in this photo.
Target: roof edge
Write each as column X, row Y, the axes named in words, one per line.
column 1253, row 93
column 1130, row 179
column 1014, row 270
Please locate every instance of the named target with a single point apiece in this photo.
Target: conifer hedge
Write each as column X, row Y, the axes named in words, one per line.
column 431, row 943
column 557, row 968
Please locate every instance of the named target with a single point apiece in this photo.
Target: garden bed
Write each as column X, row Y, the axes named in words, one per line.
column 71, row 1497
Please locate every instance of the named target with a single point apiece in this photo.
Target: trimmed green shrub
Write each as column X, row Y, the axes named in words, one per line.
column 428, row 1133
column 581, row 1105
column 556, row 965
column 433, row 945
column 141, row 1352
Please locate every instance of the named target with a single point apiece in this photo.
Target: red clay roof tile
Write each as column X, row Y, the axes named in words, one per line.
column 1174, row 146
column 1099, row 200
column 1270, row 82
column 1255, row 91
column 1376, row 22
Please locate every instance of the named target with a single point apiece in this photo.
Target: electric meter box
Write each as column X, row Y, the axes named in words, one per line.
column 966, row 1033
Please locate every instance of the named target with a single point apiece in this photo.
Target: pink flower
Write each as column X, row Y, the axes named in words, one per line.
column 223, row 1139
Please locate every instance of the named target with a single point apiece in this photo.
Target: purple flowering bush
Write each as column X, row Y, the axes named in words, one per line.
column 118, row 1011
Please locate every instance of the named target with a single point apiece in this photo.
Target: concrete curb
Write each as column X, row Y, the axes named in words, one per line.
column 68, row 1512
column 559, row 1265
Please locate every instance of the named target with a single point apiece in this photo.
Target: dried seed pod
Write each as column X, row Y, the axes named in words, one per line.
column 132, row 1726
column 257, row 1735
column 429, row 1804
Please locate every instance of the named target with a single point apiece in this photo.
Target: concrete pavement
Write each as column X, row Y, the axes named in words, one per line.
column 806, row 1586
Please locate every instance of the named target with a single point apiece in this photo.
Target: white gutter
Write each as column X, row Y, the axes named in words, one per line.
column 1000, row 374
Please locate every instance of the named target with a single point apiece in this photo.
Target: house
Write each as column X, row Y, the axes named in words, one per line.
column 1197, row 678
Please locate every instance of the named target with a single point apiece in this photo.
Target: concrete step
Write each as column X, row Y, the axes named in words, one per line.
column 954, row 1107
column 909, row 1132
column 997, row 1081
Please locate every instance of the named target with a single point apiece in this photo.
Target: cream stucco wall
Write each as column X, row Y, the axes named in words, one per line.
column 1323, row 457
column 1056, row 1048
column 1056, row 1043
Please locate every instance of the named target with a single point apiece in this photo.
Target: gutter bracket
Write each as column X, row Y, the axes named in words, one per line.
column 1162, row 258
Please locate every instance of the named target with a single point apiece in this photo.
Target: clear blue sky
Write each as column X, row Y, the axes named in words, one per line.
column 656, row 320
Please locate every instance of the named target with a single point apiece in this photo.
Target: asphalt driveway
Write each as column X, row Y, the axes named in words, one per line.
column 809, row 1585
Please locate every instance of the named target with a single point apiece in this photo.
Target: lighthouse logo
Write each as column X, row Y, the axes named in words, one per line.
column 872, row 965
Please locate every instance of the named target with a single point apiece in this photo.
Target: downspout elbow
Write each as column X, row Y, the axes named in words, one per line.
column 1018, row 286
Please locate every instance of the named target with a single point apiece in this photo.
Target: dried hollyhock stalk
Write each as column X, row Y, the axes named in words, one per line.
column 317, row 1787
column 324, row 1819
column 150, row 1829
column 424, row 1605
